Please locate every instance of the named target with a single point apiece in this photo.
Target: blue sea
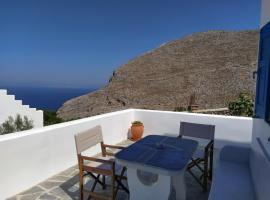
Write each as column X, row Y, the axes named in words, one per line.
column 45, row 98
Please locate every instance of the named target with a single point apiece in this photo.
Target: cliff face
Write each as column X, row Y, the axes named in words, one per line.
column 215, row 66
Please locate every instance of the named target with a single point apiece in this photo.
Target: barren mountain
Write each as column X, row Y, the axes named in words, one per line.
column 215, row 66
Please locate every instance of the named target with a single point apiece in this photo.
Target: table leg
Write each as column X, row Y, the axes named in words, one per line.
column 160, row 190
column 178, row 182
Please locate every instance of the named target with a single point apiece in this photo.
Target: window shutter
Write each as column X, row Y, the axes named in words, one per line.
column 262, row 102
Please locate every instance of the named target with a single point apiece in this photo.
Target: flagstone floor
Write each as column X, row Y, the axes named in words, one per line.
column 65, row 186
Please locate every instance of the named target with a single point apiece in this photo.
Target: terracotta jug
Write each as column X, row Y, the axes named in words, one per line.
column 137, row 131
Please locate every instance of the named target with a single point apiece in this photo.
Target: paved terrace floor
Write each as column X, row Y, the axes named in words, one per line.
column 65, row 186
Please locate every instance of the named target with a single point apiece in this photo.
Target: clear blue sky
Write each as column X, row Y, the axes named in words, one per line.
column 78, row 43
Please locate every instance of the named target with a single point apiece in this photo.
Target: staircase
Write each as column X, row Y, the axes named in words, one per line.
column 9, row 106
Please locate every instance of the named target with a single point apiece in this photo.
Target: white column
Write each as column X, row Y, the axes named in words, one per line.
column 265, row 13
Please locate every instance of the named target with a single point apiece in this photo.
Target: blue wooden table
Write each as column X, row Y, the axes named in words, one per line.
column 155, row 164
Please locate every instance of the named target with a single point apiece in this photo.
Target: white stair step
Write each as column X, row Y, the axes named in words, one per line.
column 33, row 109
column 10, row 97
column 26, row 106
column 19, row 102
column 3, row 92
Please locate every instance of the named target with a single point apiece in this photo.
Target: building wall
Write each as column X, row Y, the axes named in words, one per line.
column 9, row 106
column 259, row 161
column 265, row 13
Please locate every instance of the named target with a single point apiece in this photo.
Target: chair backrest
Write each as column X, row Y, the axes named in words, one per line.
column 203, row 131
column 88, row 138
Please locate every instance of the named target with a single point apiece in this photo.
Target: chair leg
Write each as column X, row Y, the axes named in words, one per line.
column 211, row 162
column 117, row 188
column 113, row 186
column 195, row 177
column 81, row 186
column 95, row 177
column 104, row 182
column 205, row 172
column 122, row 186
column 95, row 183
column 119, row 183
column 196, row 163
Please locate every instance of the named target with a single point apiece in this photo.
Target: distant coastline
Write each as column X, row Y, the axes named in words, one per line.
column 45, row 98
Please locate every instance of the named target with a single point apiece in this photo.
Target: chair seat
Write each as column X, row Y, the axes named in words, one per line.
column 104, row 166
column 199, row 153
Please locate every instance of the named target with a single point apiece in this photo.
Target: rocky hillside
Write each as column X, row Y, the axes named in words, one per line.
column 215, row 66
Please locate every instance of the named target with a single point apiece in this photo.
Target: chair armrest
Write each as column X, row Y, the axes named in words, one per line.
column 113, row 146
column 235, row 154
column 111, row 162
column 105, row 146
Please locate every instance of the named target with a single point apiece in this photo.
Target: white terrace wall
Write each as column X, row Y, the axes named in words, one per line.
column 229, row 130
column 9, row 106
column 30, row 157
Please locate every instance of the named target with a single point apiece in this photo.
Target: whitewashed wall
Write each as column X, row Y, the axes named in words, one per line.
column 259, row 160
column 30, row 157
column 229, row 130
column 265, row 12
column 9, row 106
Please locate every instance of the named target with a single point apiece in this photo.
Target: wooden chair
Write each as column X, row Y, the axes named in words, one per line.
column 204, row 156
column 98, row 166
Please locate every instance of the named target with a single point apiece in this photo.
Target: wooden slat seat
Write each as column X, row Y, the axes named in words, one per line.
column 103, row 166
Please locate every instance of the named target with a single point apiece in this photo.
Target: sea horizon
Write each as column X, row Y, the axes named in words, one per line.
column 45, row 98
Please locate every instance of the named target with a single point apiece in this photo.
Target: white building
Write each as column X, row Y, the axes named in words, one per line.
column 9, row 106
